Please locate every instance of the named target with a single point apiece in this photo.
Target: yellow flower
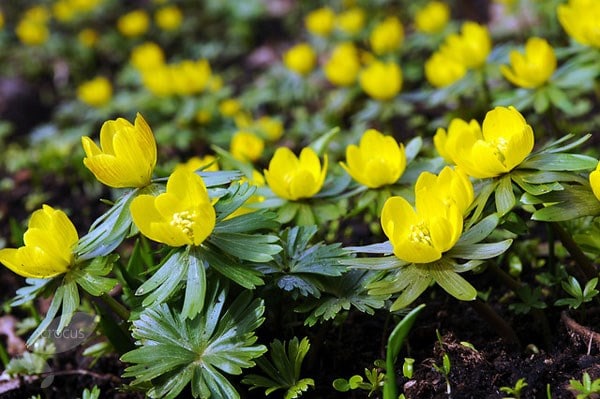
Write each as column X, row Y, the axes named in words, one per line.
column 320, row 21
column 31, row 32
column 532, row 69
column 207, row 163
column 301, row 59
column 595, row 181
column 134, row 23
column 147, row 55
column 343, row 66
column 424, row 234
column 48, row 249
column 381, row 81
column 351, row 21
column 442, row 71
column 88, row 37
column 229, row 107
column 158, row 80
column 387, row 36
column 497, row 148
column 471, row 47
column 190, row 77
column 128, row 154
column 433, row 17
column 1, row 19
column 203, row 116
column 293, row 178
column 272, row 128
column 377, row 161
column 96, row 92
column 451, row 186
column 581, row 20
column 183, row 215
column 246, row 146
column 39, row 14
column 168, row 18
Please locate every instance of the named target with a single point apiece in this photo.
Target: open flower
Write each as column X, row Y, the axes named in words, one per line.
column 127, row 155
column 423, row 234
column 381, row 81
column 292, row 177
column 532, row 69
column 581, row 20
column 183, row 215
column 96, row 92
column 301, row 59
column 497, row 148
column 48, row 249
column 471, row 47
column 387, row 36
column 433, row 17
column 377, row 161
column 595, row 181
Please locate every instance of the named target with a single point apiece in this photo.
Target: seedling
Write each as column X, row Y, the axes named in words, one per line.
column 586, row 388
column 578, row 296
column 515, row 391
column 444, row 369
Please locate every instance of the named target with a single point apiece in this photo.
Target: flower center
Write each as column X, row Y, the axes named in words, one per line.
column 501, row 145
column 420, row 233
column 184, row 220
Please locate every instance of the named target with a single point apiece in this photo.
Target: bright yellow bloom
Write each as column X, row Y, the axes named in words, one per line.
column 147, row 55
column 88, row 37
column 272, row 128
column 168, row 18
column 451, row 186
column 442, row 71
column 471, row 47
column 31, row 32
column 595, row 181
column 320, row 22
column 497, row 148
column 207, row 163
column 229, row 107
column 387, row 36
column 581, row 20
column 381, row 81
column 48, row 249
column 433, row 17
column 293, row 178
column 532, row 69
column 301, row 59
column 246, row 146
column 190, row 77
column 351, row 21
column 343, row 66
column 422, row 236
column 183, row 215
column 134, row 23
column 127, row 155
column 377, row 161
column 96, row 92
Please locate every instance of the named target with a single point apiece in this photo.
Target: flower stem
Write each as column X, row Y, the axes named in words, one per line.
column 116, row 306
column 498, row 323
column 583, row 264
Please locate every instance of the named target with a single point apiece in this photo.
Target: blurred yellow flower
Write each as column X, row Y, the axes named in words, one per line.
column 343, row 66
column 471, row 47
column 207, row 163
column 88, row 37
column 320, row 22
column 39, row 14
column 31, row 32
column 595, row 181
column 148, row 55
column 272, row 128
column 301, row 59
column 442, row 71
column 229, row 107
column 96, row 92
column 351, row 21
column 423, row 234
column 499, row 146
column 292, row 177
column 190, row 77
column 581, row 20
column 183, row 215
column 127, row 155
column 532, row 69
column 433, row 17
column 48, row 249
column 377, row 161
column 246, row 146
column 203, row 116
column 381, row 81
column 1, row 19
column 168, row 18
column 158, row 80
column 134, row 23
column 387, row 36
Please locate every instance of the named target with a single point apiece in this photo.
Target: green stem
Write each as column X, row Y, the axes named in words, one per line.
column 498, row 323
column 485, row 89
column 4, row 356
column 116, row 306
column 583, row 264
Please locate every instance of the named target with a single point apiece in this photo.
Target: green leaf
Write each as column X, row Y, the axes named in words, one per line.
column 412, row 148
column 410, row 281
column 480, row 231
column 320, row 145
column 452, row 282
column 90, row 276
column 227, row 266
column 505, row 197
column 251, row 247
column 479, row 251
column 168, row 277
column 235, row 196
column 175, row 351
column 571, row 203
column 248, row 222
column 540, row 101
column 559, row 162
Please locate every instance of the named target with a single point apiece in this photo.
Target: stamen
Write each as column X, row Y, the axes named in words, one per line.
column 185, row 221
column 420, row 233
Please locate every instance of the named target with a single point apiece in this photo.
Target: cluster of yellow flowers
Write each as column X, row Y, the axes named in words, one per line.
column 137, row 22
column 181, row 78
column 67, row 10
column 32, row 29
